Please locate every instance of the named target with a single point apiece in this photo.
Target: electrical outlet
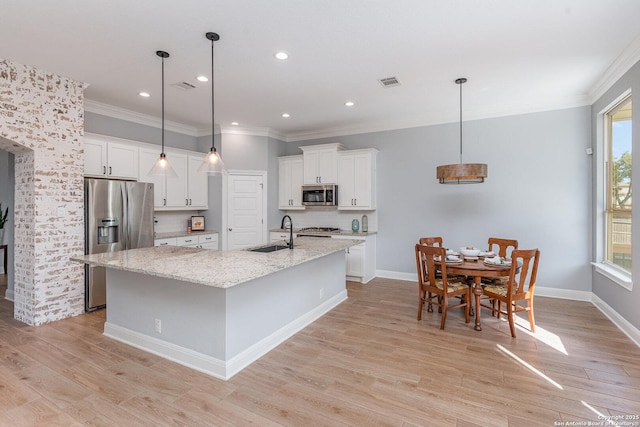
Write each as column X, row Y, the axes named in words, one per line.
column 321, row 293
column 158, row 326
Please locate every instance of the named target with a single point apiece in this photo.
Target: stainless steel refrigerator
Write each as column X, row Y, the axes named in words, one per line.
column 118, row 215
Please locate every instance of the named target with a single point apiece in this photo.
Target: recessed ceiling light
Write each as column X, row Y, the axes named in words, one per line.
column 286, row 115
column 281, row 55
column 349, row 103
column 144, row 94
column 235, row 123
column 202, row 78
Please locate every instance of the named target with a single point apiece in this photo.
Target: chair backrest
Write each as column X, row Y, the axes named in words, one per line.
column 524, row 281
column 431, row 241
column 503, row 245
column 425, row 262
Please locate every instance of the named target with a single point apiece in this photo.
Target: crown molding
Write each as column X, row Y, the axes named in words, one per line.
column 139, row 118
column 623, row 63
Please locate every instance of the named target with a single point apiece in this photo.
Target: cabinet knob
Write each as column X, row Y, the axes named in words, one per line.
column 110, row 171
column 104, row 170
column 230, row 229
column 164, row 202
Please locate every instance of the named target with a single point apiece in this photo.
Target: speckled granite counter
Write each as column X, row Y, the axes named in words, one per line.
column 184, row 233
column 221, row 269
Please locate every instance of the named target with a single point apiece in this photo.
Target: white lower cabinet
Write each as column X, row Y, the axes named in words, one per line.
column 361, row 259
column 276, row 236
column 201, row 241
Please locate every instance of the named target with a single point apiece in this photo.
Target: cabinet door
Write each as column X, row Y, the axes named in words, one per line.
column 328, row 166
column 355, row 260
column 297, row 179
column 95, row 158
column 346, row 174
column 177, row 188
column 122, row 161
column 146, row 159
column 198, row 185
column 311, row 171
column 284, row 184
column 362, row 180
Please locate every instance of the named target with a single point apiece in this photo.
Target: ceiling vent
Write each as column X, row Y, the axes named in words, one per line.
column 389, row 82
column 183, row 86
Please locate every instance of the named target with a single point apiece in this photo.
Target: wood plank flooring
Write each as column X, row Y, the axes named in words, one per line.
column 368, row 362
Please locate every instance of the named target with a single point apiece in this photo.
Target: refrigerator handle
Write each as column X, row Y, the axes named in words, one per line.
column 125, row 216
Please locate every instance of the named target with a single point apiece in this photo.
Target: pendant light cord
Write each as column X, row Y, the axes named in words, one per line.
column 163, row 105
column 213, row 134
column 461, row 82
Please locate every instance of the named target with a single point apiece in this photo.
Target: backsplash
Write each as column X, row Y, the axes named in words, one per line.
column 168, row 222
column 331, row 217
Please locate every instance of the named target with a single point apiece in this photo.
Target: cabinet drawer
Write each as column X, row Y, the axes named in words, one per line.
column 170, row 241
column 187, row 240
column 208, row 238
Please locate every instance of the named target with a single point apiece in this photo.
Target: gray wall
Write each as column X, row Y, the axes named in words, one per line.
column 623, row 301
column 538, row 190
column 104, row 125
column 7, row 186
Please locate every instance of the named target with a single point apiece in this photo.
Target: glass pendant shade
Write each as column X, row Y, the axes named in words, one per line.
column 162, row 168
column 213, row 164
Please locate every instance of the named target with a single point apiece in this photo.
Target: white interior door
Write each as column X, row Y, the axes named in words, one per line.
column 245, row 221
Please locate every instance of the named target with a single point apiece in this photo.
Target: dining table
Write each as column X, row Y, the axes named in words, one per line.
column 476, row 268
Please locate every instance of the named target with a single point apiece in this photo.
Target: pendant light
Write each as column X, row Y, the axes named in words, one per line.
column 461, row 173
column 162, row 166
column 213, row 164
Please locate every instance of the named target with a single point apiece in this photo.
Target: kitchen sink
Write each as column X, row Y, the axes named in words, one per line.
column 271, row 248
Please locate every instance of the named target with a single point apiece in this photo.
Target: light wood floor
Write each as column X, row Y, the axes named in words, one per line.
column 368, row 362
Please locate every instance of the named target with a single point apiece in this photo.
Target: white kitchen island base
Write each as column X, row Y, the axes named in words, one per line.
column 220, row 331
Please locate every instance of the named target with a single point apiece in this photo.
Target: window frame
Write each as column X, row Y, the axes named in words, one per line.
column 612, row 271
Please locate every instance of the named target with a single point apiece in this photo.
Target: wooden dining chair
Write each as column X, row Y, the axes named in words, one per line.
column 502, row 248
column 520, row 287
column 438, row 290
column 437, row 241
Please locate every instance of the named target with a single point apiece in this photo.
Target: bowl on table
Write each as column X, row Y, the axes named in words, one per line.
column 470, row 252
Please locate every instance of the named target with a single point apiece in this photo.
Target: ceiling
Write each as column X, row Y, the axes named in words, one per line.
column 519, row 56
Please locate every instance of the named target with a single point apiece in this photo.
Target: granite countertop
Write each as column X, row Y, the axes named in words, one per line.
column 325, row 233
column 183, row 233
column 221, row 269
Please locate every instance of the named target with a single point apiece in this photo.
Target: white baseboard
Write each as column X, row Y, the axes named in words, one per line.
column 627, row 328
column 8, row 295
column 211, row 365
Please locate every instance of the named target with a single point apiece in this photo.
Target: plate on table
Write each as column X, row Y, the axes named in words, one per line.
column 452, row 252
column 484, row 254
column 451, row 259
column 498, row 261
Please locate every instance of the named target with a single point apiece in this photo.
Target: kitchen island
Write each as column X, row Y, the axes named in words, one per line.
column 218, row 311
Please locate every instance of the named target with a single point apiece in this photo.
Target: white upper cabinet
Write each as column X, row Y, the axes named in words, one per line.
column 320, row 163
column 198, row 185
column 290, row 179
column 189, row 191
column 106, row 157
column 357, row 179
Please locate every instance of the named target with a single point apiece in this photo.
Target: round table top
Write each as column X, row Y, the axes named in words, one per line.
column 478, row 268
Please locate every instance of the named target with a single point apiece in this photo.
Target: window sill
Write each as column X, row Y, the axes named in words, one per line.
column 621, row 278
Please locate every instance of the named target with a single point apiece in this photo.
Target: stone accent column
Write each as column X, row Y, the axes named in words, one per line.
column 42, row 123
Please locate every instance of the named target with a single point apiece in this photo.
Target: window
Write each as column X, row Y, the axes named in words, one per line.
column 618, row 188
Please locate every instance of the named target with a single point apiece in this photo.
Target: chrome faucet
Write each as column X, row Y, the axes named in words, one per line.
column 290, row 242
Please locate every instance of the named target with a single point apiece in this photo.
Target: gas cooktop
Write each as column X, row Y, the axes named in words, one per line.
column 320, row 229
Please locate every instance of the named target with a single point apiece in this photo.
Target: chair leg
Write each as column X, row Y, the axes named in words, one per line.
column 444, row 317
column 510, row 315
column 499, row 308
column 532, row 323
column 440, row 306
column 420, row 307
column 467, row 307
column 429, row 306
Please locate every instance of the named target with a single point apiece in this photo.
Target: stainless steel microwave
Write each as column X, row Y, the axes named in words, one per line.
column 320, row 195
